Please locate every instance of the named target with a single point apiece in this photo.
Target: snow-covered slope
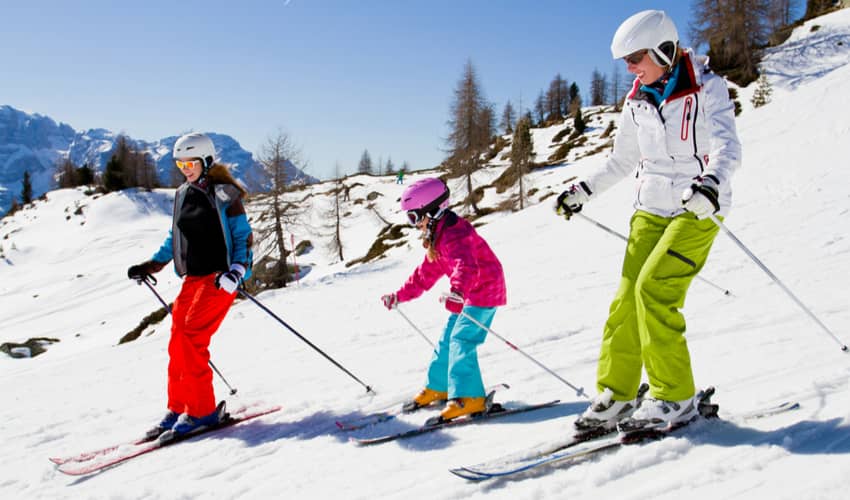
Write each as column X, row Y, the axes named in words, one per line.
column 62, row 275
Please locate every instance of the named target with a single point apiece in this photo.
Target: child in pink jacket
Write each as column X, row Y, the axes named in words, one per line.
column 477, row 284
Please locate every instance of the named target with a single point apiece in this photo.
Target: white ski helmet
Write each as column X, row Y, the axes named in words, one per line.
column 195, row 145
column 652, row 30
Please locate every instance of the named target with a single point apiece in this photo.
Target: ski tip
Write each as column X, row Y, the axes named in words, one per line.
column 464, row 473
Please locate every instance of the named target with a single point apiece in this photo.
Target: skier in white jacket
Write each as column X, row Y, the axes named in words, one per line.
column 676, row 136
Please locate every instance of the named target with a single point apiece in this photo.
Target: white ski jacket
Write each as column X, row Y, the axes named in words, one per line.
column 692, row 133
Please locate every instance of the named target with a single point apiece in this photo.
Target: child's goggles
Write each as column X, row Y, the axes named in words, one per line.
column 414, row 217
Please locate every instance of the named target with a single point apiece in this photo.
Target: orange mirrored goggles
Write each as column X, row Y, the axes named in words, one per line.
column 635, row 57
column 188, row 164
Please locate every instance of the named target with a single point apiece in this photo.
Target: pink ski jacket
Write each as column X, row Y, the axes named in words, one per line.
column 471, row 266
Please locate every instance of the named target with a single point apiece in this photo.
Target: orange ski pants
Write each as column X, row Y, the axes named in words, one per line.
column 196, row 315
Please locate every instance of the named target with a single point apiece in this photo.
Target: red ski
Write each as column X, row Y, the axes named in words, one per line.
column 97, row 460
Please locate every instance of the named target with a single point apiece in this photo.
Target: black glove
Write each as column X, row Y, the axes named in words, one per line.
column 141, row 271
column 571, row 200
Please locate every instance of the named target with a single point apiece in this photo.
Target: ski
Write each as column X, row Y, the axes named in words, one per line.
column 579, row 447
column 88, row 455
column 98, row 460
column 392, row 411
column 495, row 412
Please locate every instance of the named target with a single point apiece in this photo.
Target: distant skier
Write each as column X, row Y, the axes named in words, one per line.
column 399, row 177
column 210, row 242
column 477, row 283
column 677, row 128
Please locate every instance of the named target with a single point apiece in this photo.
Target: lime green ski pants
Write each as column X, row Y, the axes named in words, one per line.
column 645, row 327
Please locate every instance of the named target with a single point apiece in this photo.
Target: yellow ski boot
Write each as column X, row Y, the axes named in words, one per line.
column 425, row 397
column 460, row 407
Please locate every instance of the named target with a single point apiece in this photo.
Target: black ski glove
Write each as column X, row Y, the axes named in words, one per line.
column 140, row 271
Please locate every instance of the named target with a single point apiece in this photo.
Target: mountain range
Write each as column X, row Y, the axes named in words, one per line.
column 35, row 143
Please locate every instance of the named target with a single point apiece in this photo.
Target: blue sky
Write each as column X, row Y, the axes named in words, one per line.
column 337, row 76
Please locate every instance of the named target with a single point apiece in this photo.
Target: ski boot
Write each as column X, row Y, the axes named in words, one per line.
column 165, row 424
column 187, row 424
column 603, row 414
column 665, row 416
column 425, row 398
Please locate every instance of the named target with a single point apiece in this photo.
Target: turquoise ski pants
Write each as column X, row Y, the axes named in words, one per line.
column 454, row 365
column 645, row 327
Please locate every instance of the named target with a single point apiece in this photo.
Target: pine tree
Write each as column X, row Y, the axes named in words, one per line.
column 26, row 188
column 84, row 175
column 762, row 93
column 575, row 98
column 113, row 175
column 578, row 123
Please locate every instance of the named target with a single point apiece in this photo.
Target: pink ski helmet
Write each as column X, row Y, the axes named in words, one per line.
column 425, row 197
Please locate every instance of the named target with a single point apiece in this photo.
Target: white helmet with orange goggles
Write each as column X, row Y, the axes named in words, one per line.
column 195, row 145
column 649, row 30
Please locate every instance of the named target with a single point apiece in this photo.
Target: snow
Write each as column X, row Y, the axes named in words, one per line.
column 63, row 276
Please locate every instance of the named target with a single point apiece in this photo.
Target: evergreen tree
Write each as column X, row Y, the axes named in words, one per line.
column 578, row 123
column 575, row 98
column 26, row 188
column 84, row 175
column 762, row 93
column 113, row 175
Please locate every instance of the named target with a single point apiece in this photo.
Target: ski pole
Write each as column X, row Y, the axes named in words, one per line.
column 579, row 390
column 415, row 328
column 282, row 322
column 144, row 280
column 622, row 237
column 776, row 280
